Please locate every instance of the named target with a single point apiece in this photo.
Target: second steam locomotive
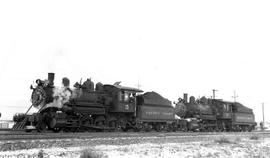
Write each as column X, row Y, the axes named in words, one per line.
column 114, row 107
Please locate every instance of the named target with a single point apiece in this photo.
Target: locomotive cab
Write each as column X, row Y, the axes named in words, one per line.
column 224, row 109
column 124, row 98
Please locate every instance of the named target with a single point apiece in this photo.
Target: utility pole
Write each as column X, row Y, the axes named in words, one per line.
column 263, row 112
column 234, row 96
column 138, row 85
column 214, row 90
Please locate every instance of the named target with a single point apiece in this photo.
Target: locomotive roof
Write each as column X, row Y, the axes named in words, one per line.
column 239, row 106
column 124, row 88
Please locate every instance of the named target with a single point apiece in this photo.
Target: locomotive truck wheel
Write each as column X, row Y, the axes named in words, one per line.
column 113, row 125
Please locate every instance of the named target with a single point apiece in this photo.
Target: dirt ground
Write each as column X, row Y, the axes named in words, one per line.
column 209, row 146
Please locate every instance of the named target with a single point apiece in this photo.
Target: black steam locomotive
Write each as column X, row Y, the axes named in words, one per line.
column 216, row 114
column 114, row 107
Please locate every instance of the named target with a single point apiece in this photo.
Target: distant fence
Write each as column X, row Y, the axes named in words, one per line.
column 4, row 125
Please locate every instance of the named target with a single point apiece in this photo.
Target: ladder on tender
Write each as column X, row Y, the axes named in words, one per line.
column 20, row 125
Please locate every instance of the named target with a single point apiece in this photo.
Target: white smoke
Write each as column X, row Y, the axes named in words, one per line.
column 76, row 93
column 61, row 96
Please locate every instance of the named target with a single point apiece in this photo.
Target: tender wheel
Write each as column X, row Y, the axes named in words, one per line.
column 138, row 128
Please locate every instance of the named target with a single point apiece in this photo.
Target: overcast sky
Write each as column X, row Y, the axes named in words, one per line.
column 170, row 47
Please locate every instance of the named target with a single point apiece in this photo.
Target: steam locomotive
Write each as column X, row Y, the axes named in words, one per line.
column 118, row 108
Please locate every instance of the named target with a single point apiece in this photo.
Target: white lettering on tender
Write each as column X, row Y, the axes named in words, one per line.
column 244, row 118
column 158, row 113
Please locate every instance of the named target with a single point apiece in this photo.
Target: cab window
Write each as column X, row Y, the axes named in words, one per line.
column 226, row 107
column 123, row 96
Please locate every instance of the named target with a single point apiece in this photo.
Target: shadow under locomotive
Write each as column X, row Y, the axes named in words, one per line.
column 119, row 108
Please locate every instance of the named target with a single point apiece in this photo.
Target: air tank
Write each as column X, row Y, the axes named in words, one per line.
column 203, row 100
column 88, row 85
column 99, row 86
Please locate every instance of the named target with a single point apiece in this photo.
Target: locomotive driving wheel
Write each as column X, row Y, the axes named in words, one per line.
column 52, row 125
column 114, row 125
column 41, row 125
column 99, row 122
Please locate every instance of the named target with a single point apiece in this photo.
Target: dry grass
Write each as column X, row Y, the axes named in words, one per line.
column 238, row 139
column 40, row 154
column 90, row 153
column 223, row 140
column 254, row 137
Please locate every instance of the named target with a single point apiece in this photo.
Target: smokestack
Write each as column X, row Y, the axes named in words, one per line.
column 51, row 78
column 185, row 97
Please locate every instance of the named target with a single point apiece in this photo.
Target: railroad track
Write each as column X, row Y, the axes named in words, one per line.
column 19, row 135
